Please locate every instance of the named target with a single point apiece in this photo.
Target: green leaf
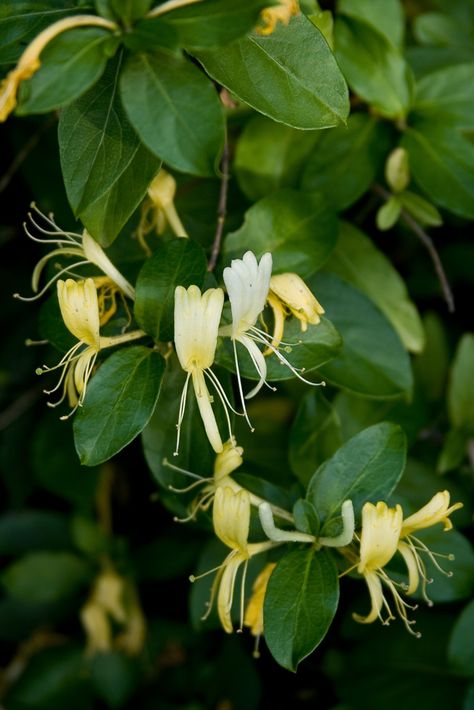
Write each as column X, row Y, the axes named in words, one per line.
column 309, row 351
column 461, row 385
column 388, row 214
column 70, row 64
column 374, row 68
column 175, row 110
column 386, row 16
column 270, row 156
column 461, row 643
column 424, row 212
column 129, row 10
column 453, row 451
column 120, row 400
column 25, row 530
column 114, row 676
column 180, row 262
column 299, row 230
column 439, row 30
column 300, row 603
column 431, row 366
column 373, row 361
column 358, row 261
column 290, row 75
column 213, row 23
column 442, row 163
column 366, row 468
column 315, row 435
column 44, row 577
column 443, row 95
column 105, row 168
column 345, row 161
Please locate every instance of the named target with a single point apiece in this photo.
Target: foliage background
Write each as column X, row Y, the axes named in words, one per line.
column 59, row 517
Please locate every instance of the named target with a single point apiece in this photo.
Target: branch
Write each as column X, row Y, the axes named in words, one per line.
column 428, row 243
column 221, row 209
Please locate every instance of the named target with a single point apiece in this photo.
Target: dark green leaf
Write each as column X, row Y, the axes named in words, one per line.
column 130, row 10
column 366, row 468
column 175, row 110
column 180, row 262
column 42, row 577
column 461, row 386
column 114, row 676
column 300, row 604
column 106, row 169
column 423, row 211
column 373, row 361
column 299, row 230
column 70, row 64
column 121, row 398
column 461, row 643
column 306, row 517
column 290, row 76
column 26, row 530
column 345, row 161
column 385, row 15
column 443, row 95
column 374, row 68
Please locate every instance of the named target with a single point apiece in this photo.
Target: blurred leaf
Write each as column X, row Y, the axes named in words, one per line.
column 106, row 169
column 270, row 156
column 384, row 15
column 175, row 110
column 374, row 68
column 346, row 159
column 366, row 468
column 43, row 577
column 120, row 400
column 180, row 262
column 114, row 676
column 373, row 361
column 431, row 366
column 300, row 604
column 358, row 261
column 423, row 211
column 315, row 435
column 26, row 530
column 388, row 214
column 442, row 96
column 461, row 385
column 453, row 451
column 461, row 643
column 299, row 230
column 438, row 29
column 292, row 91
column 70, row 64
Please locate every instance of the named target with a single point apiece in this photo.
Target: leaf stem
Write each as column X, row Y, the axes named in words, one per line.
column 221, row 208
column 428, row 243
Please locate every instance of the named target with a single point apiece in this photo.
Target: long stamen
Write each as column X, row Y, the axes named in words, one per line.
column 184, row 471
column 242, row 596
column 284, row 361
column 223, row 401
column 239, row 382
column 182, row 408
column 50, row 282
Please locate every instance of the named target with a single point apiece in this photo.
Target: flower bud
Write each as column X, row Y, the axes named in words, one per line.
column 397, row 170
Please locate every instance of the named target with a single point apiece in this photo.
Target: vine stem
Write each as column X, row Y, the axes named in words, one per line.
column 221, row 208
column 428, row 243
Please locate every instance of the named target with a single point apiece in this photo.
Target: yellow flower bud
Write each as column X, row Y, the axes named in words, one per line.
column 270, row 16
column 254, row 611
column 397, row 171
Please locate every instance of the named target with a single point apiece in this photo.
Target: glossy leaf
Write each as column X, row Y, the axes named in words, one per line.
column 461, row 643
column 358, row 261
column 175, row 110
column 374, row 68
column 44, row 577
column 365, row 468
column 70, row 65
column 385, row 15
column 120, row 400
column 106, row 170
column 461, row 386
column 180, row 262
column 373, row 361
column 302, row 85
column 299, row 230
column 300, row 604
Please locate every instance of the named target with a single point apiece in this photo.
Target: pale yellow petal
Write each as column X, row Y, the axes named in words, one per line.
column 254, row 610
column 80, row 310
column 376, row 598
column 410, row 560
column 231, row 517
column 437, row 510
column 380, row 534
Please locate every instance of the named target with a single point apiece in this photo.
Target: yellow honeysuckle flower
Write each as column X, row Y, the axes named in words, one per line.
column 29, row 62
column 158, row 209
column 196, row 322
column 79, row 306
column 97, row 627
column 289, row 294
column 270, row 16
column 437, row 510
column 254, row 611
column 68, row 244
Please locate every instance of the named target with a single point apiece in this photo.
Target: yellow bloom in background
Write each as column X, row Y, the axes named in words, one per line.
column 290, row 295
column 158, row 209
column 282, row 12
column 254, row 610
column 29, row 62
column 196, row 322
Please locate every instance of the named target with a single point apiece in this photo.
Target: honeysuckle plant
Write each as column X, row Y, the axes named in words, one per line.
column 255, row 199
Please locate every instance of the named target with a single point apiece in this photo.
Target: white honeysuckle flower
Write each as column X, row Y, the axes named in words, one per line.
column 248, row 283
column 68, row 244
column 196, row 323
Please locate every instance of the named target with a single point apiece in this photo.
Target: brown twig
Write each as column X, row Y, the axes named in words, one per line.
column 428, row 243
column 221, row 208
column 22, row 155
column 18, row 407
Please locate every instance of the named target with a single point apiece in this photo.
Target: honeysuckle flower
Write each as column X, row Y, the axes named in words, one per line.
column 231, row 519
column 68, row 244
column 247, row 282
column 290, row 295
column 196, row 322
column 158, row 209
column 270, row 16
column 79, row 306
column 30, row 62
column 254, row 611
